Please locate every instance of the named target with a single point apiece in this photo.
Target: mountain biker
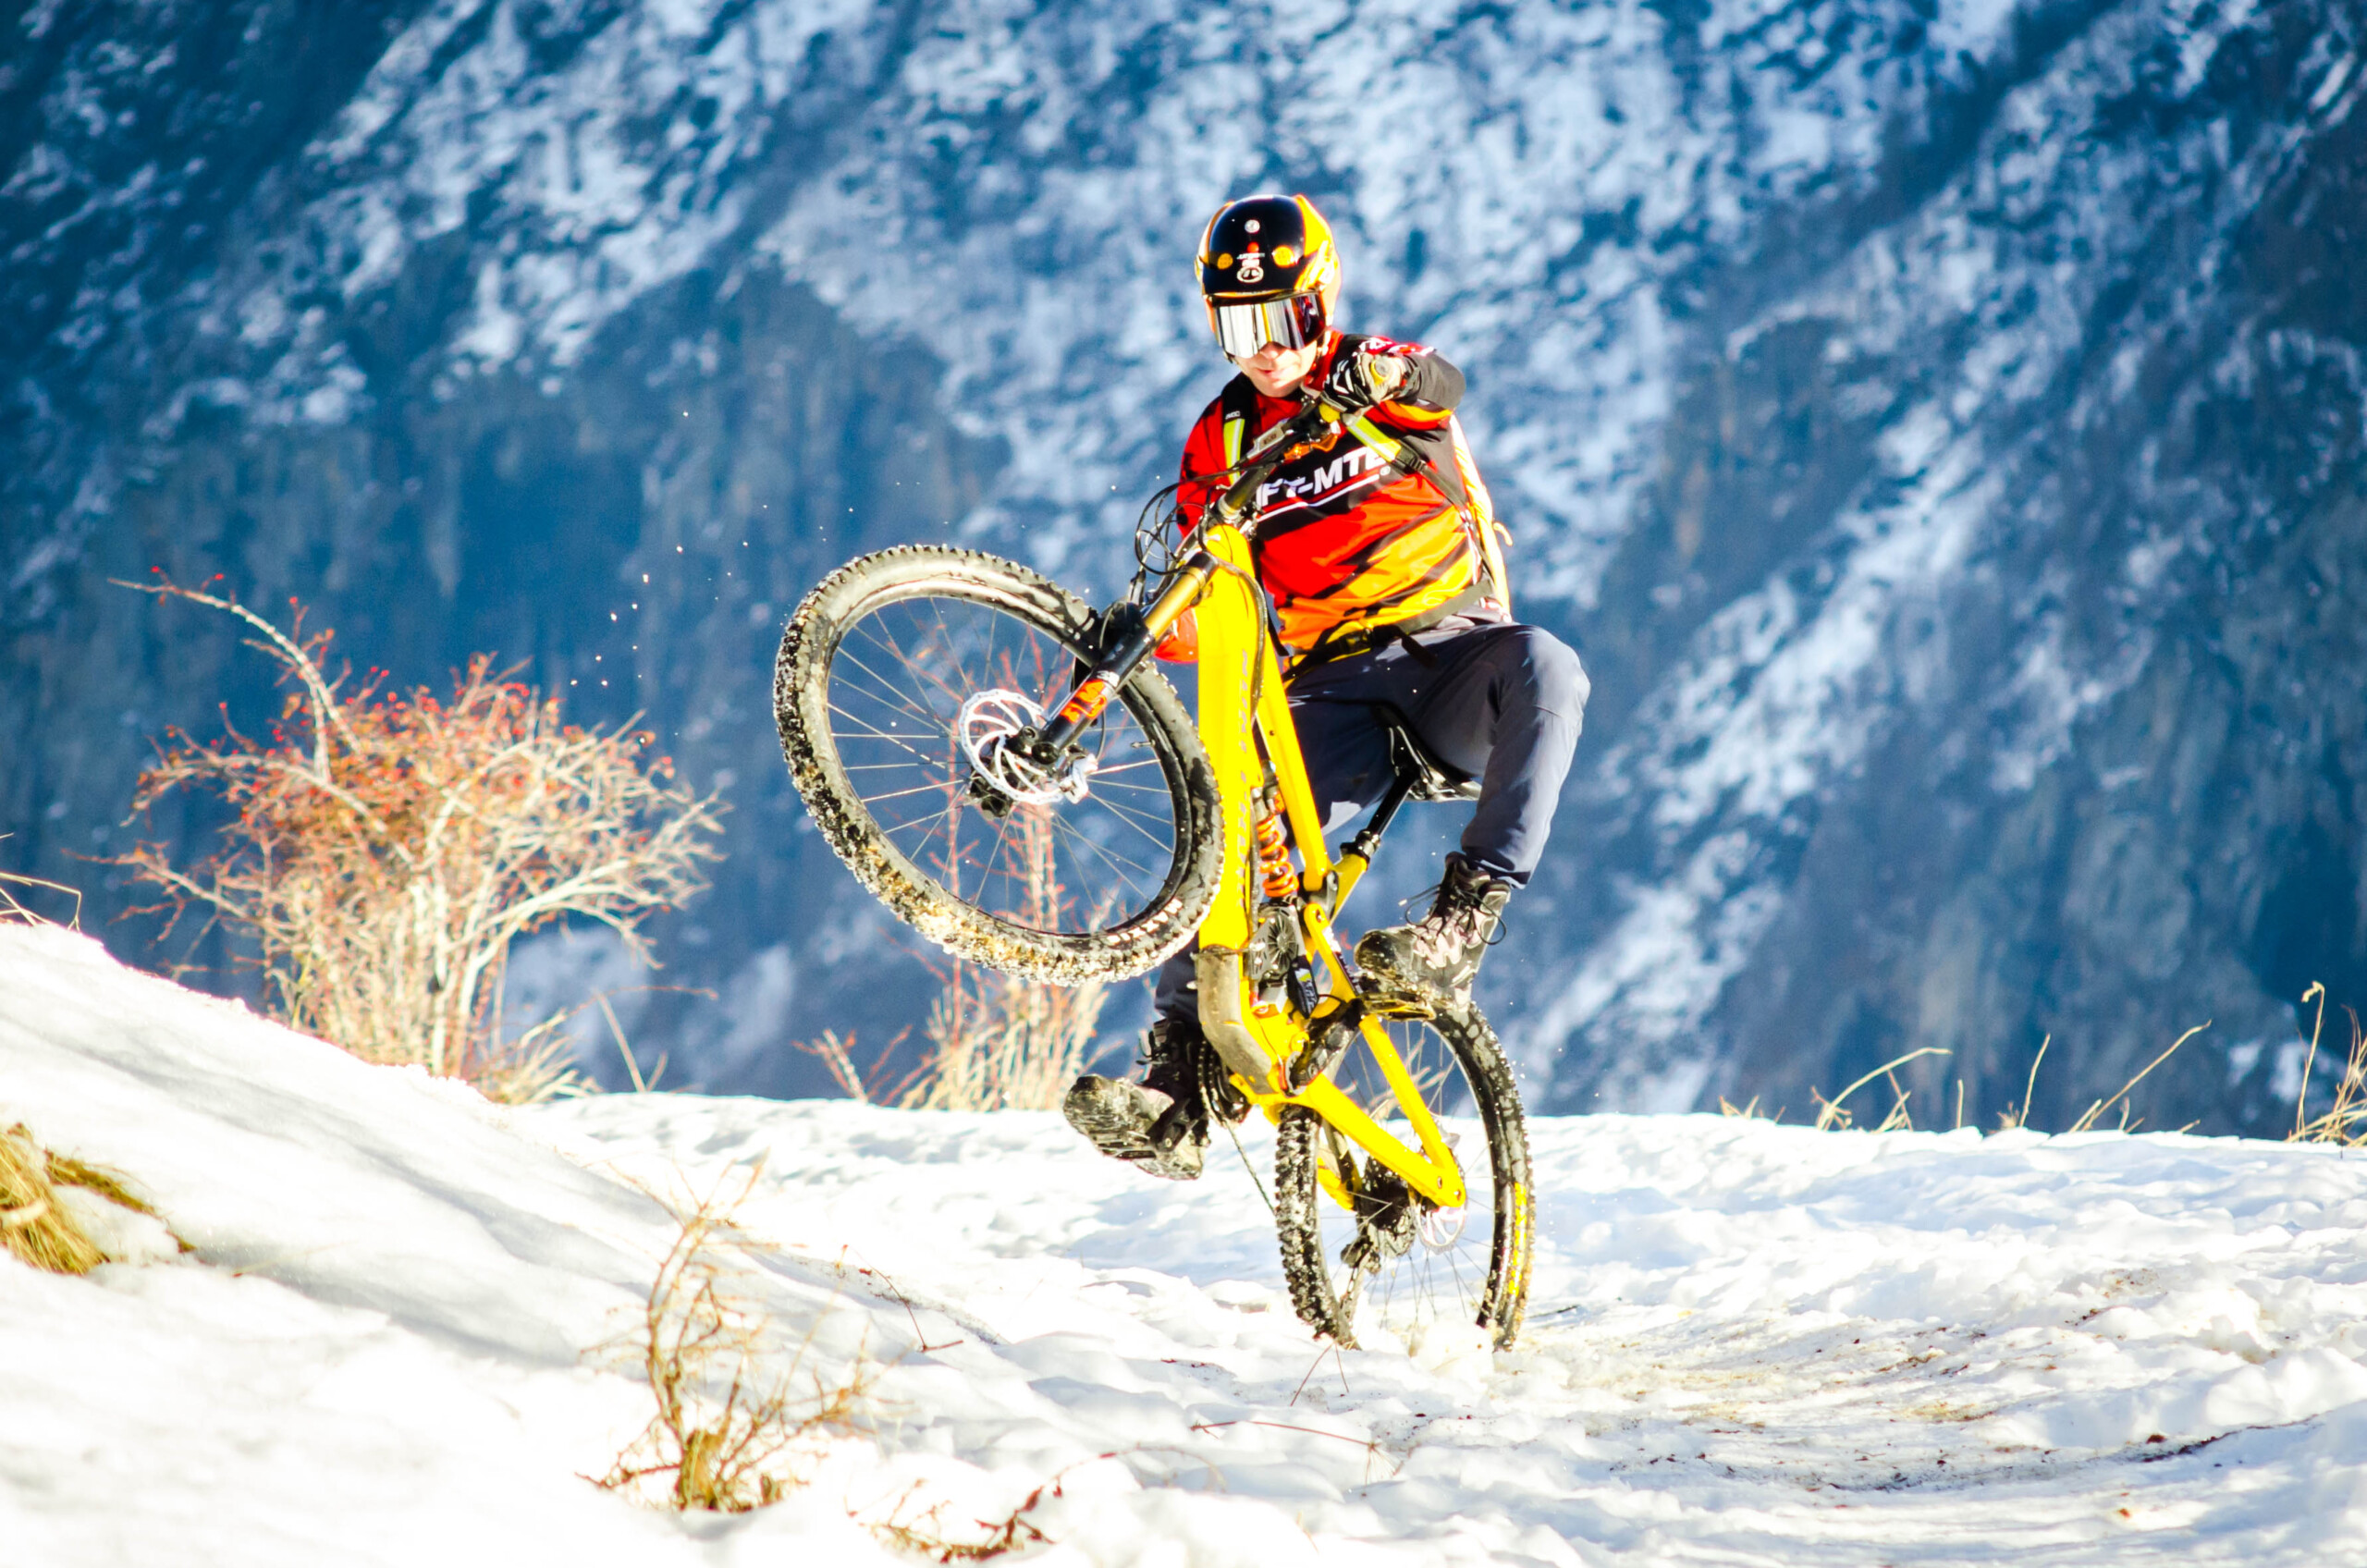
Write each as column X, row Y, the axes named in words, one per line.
column 1380, row 551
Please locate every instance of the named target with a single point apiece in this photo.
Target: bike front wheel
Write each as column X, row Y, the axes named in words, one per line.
column 1392, row 1268
column 898, row 678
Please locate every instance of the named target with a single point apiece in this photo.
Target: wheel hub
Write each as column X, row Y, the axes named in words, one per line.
column 1001, row 733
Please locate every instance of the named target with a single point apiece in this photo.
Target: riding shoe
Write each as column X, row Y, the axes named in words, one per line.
column 1432, row 960
column 1161, row 1123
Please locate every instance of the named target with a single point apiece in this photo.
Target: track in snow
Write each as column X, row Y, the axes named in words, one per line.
column 1752, row 1343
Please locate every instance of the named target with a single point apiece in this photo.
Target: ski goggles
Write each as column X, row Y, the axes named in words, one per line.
column 1294, row 322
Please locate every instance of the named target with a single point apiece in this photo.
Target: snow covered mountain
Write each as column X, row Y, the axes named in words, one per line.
column 1751, row 1345
column 1939, row 424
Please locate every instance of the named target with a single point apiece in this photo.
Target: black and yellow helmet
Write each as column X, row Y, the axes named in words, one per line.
column 1269, row 274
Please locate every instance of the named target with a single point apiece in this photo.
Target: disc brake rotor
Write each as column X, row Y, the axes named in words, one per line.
column 1441, row 1228
column 990, row 722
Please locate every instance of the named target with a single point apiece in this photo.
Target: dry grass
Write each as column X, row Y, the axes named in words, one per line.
column 908, row 1526
column 742, row 1412
column 1000, row 1043
column 993, row 1042
column 641, row 1084
column 14, row 913
column 1832, row 1115
column 911, row 1526
column 388, row 849
column 34, row 1226
column 2087, row 1122
column 2019, row 1115
column 2346, row 1124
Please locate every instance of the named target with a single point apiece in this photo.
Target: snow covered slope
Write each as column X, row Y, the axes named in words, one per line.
column 1751, row 1345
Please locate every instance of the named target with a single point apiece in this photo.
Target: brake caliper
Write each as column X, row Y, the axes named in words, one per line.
column 1001, row 733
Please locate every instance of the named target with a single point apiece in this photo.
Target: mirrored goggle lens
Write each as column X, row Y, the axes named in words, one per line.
column 1293, row 322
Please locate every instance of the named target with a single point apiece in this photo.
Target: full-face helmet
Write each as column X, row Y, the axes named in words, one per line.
column 1269, row 274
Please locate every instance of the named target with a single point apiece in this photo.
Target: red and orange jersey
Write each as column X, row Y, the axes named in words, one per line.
column 1384, row 523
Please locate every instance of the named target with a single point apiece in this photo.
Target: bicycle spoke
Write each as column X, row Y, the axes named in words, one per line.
column 1112, row 861
column 900, row 794
column 1425, row 1285
column 902, row 673
column 1131, row 884
column 917, row 665
column 893, row 696
column 1136, row 821
column 1131, row 788
column 869, row 733
column 922, row 822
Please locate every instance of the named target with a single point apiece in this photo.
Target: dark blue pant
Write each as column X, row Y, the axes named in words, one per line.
column 1502, row 703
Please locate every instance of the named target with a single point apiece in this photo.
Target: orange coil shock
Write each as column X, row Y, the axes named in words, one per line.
column 1274, row 856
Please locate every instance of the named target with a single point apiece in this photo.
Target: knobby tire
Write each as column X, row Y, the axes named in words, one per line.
column 1322, row 1290
column 805, row 688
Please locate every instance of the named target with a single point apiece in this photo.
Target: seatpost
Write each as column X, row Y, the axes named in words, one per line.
column 1355, row 858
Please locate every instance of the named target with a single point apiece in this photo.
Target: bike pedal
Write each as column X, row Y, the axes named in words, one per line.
column 1394, row 1004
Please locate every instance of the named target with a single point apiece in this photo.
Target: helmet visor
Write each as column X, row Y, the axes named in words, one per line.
column 1293, row 322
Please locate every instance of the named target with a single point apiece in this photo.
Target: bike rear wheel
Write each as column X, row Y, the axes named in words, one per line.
column 898, row 678
column 1395, row 1269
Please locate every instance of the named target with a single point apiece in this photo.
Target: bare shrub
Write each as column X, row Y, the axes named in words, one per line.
column 921, row 1530
column 1001, row 1044
column 740, row 1412
column 865, row 1086
column 33, row 1224
column 389, row 847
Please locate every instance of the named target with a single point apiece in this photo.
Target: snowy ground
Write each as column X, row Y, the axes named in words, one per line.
column 1751, row 1343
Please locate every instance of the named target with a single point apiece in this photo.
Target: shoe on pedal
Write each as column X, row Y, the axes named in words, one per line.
column 1161, row 1123
column 1430, row 962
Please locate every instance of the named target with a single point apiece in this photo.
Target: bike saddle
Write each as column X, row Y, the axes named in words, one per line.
column 1427, row 778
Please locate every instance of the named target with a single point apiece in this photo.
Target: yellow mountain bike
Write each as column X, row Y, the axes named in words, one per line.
column 1011, row 774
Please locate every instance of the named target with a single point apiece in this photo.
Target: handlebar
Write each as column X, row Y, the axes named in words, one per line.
column 1122, row 656
column 1242, row 494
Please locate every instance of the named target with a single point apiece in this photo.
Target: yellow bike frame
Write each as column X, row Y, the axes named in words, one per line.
column 1247, row 729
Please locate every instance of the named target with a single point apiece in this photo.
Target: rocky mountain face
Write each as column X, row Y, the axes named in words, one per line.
column 1939, row 427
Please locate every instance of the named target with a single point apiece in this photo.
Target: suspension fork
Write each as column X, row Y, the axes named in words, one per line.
column 1118, row 664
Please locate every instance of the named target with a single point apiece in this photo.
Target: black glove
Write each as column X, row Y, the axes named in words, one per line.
column 1358, row 381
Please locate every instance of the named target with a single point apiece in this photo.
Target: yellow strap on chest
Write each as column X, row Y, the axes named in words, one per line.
column 1380, row 443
